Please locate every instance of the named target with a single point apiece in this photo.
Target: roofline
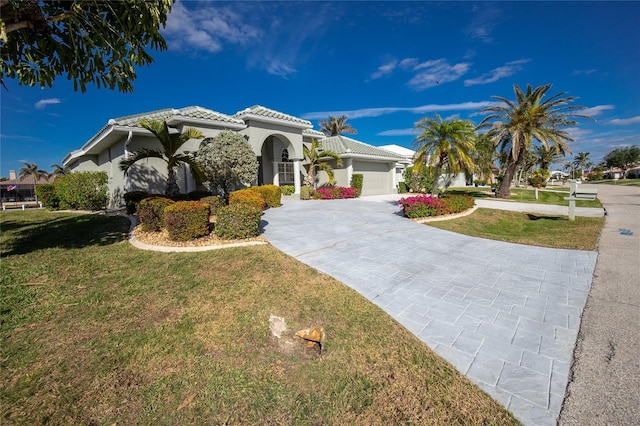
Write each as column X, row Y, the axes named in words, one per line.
column 251, row 116
column 99, row 137
column 203, row 121
column 372, row 157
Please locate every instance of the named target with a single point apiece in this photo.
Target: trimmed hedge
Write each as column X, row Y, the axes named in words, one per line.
column 151, row 213
column 248, row 197
column 215, row 203
column 237, row 221
column 356, row 182
column 82, row 190
column 335, row 193
column 306, row 192
column 46, row 194
column 187, row 220
column 288, row 189
column 427, row 206
column 271, row 194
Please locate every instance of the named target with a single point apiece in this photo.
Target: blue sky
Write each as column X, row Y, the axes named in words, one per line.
column 383, row 64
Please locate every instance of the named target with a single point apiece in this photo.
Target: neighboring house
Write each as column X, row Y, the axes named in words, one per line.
column 17, row 191
column 407, row 160
column 615, row 173
column 633, row 173
column 276, row 138
column 559, row 175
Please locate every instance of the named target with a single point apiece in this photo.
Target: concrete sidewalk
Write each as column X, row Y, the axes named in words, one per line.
column 605, row 385
column 506, row 315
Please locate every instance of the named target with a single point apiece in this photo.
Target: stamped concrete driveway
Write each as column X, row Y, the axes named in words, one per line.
column 505, row 315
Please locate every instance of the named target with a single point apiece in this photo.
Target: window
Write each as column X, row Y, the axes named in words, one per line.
column 285, row 155
column 285, row 173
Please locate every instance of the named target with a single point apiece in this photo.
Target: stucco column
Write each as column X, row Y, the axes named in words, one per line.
column 392, row 171
column 296, row 176
column 349, row 170
column 276, row 176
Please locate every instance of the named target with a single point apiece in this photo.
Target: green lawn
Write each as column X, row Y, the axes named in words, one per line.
column 621, row 182
column 554, row 195
column 95, row 331
column 527, row 228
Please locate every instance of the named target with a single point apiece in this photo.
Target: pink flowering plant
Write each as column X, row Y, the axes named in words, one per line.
column 335, row 193
column 427, row 206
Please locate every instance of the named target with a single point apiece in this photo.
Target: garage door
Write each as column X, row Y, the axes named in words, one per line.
column 376, row 177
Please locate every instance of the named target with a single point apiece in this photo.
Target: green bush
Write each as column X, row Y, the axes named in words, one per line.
column 248, row 197
column 151, row 213
column 186, row 220
column 458, row 203
column 132, row 198
column 272, row 194
column 215, row 203
column 46, row 194
column 402, row 188
column 288, row 189
column 82, row 190
column 306, row 192
column 238, row 221
column 356, row 182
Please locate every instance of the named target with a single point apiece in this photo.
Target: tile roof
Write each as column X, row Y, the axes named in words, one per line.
column 344, row 146
column 258, row 110
column 313, row 133
column 167, row 113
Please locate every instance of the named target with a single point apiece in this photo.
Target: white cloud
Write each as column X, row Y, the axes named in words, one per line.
column 507, row 70
column 432, row 73
column 585, row 72
column 485, row 18
column 625, row 121
column 207, row 28
column 594, row 111
column 399, row 132
column 377, row 112
column 383, row 70
column 42, row 103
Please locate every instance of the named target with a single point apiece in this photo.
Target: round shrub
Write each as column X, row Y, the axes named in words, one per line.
column 82, row 190
column 306, row 192
column 132, row 198
column 151, row 213
column 237, row 221
column 271, row 194
column 215, row 203
column 186, row 220
column 46, row 194
column 288, row 189
column 248, row 197
column 427, row 206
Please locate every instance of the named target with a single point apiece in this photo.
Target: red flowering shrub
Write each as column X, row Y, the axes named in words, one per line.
column 248, row 197
column 426, row 205
column 187, row 220
column 335, row 193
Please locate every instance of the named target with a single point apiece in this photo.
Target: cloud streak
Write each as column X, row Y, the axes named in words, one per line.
column 595, row 111
column 625, row 121
column 42, row 103
column 507, row 70
column 432, row 73
column 377, row 112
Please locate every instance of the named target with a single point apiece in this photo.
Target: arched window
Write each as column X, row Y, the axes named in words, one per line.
column 285, row 155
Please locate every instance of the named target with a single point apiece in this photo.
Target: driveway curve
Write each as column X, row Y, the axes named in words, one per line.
column 506, row 315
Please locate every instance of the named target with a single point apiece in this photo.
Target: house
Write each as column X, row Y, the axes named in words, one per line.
column 15, row 191
column 276, row 138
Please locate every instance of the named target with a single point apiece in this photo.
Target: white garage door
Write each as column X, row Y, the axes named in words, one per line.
column 376, row 178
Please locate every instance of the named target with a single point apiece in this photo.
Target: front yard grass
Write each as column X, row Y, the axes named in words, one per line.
column 528, row 228
column 95, row 331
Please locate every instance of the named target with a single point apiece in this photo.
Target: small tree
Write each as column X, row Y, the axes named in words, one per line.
column 625, row 158
column 315, row 158
column 228, row 162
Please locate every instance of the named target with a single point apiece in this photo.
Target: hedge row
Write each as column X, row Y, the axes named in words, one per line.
column 187, row 220
column 427, row 206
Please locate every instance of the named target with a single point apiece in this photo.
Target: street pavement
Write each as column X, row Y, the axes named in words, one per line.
column 505, row 315
column 605, row 384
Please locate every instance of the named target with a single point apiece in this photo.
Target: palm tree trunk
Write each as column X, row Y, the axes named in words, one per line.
column 172, row 187
column 436, row 180
column 504, row 190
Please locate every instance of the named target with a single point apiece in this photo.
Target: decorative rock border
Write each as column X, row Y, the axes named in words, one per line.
column 446, row 217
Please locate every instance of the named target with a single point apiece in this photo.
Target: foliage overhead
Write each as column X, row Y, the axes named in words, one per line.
column 336, row 126
column 547, row 156
column 171, row 143
column 228, row 162
column 89, row 41
column 447, row 145
column 514, row 125
column 315, row 158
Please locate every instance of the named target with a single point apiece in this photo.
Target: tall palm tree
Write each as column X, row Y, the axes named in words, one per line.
column 546, row 156
column 336, row 126
column 31, row 170
column 59, row 170
column 445, row 145
column 171, row 143
column 316, row 158
column 581, row 161
column 515, row 125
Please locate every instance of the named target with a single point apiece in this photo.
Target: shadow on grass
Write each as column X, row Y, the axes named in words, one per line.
column 75, row 231
column 474, row 193
column 536, row 217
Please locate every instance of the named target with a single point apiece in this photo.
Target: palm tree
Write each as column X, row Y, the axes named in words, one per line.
column 546, row 156
column 171, row 143
column 581, row 161
column 484, row 157
column 444, row 144
column 316, row 157
column 336, row 126
column 59, row 170
column 515, row 125
column 31, row 170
